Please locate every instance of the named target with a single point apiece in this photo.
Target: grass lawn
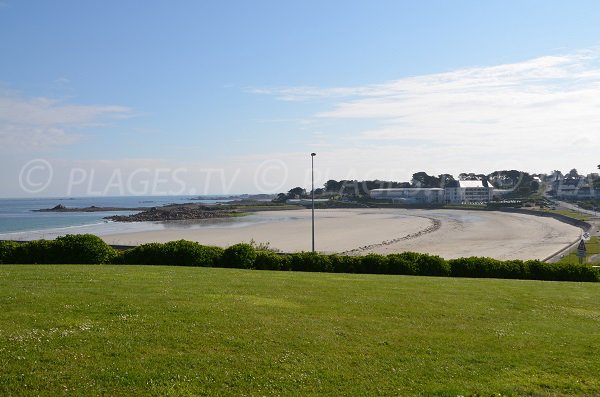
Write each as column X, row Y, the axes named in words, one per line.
column 132, row 330
column 592, row 248
column 571, row 214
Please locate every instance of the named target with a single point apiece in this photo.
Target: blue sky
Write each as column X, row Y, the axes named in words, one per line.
column 232, row 96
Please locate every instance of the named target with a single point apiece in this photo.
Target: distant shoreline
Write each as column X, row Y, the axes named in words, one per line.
column 93, row 208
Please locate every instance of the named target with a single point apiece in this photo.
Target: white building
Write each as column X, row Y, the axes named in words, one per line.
column 461, row 192
column 456, row 192
column 580, row 188
column 411, row 195
column 305, row 201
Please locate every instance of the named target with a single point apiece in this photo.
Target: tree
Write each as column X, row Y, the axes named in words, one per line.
column 467, row 176
column 510, row 179
column 281, row 197
column 445, row 179
column 573, row 174
column 296, row 192
column 333, row 186
column 421, row 179
column 556, row 175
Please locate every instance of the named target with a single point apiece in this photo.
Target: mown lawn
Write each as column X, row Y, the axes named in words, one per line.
column 572, row 214
column 132, row 330
column 592, row 248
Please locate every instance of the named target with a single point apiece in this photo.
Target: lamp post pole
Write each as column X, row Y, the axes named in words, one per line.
column 312, row 168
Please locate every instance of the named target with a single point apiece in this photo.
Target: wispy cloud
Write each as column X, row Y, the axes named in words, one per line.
column 540, row 104
column 41, row 122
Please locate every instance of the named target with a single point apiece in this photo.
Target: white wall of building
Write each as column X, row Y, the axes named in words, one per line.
column 465, row 192
column 410, row 195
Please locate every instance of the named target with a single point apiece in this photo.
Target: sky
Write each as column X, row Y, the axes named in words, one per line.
column 224, row 97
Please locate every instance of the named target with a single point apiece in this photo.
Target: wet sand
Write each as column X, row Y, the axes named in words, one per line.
column 448, row 233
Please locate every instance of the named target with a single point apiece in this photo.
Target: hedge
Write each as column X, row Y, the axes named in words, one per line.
column 69, row 249
column 89, row 249
column 174, row 253
column 240, row 256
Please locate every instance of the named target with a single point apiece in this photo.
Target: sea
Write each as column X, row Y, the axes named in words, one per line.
column 19, row 221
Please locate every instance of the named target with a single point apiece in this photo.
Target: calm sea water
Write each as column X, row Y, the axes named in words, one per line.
column 16, row 215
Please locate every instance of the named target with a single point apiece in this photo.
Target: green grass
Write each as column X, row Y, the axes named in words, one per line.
column 570, row 214
column 592, row 248
column 132, row 330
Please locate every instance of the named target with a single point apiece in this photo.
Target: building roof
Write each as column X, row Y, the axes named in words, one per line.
column 472, row 184
column 403, row 189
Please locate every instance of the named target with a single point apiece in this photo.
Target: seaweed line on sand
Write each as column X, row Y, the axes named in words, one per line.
column 436, row 224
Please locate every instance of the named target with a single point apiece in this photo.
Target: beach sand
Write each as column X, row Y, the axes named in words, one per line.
column 448, row 233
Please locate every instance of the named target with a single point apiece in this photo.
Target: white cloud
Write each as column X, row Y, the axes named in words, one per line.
column 31, row 137
column 521, row 112
column 39, row 122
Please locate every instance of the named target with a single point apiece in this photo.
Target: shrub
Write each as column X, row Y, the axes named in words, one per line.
column 576, row 272
column 345, row 264
column 175, row 253
column 489, row 268
column 7, row 251
column 515, row 269
column 69, row 249
column 240, row 256
column 88, row 249
column 266, row 260
column 562, row 272
column 374, row 264
column 405, row 263
column 146, row 254
column 432, row 265
column 541, row 271
column 41, row 251
column 473, row 267
column 189, row 253
column 81, row 248
column 310, row 262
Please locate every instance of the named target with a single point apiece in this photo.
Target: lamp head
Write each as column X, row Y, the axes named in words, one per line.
column 313, row 154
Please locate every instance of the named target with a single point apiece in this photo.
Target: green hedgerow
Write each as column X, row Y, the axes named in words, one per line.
column 81, row 248
column 7, row 251
column 404, row 263
column 240, row 255
column 432, row 265
column 174, row 253
column 90, row 249
column 266, row 260
column 374, row 264
column 345, row 264
column 310, row 262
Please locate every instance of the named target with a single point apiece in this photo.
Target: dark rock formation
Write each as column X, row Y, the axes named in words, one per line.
column 175, row 213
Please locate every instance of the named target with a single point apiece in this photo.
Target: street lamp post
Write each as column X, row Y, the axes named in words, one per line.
column 312, row 168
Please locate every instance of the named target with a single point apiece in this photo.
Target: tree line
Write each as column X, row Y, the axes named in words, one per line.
column 520, row 181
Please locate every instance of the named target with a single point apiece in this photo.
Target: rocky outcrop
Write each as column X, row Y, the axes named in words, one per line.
column 93, row 208
column 175, row 213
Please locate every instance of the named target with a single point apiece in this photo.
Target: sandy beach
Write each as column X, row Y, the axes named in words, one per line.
column 448, row 233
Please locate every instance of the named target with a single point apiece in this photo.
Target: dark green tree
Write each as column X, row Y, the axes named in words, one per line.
column 296, row 192
column 333, row 186
column 445, row 179
column 421, row 179
column 573, row 174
